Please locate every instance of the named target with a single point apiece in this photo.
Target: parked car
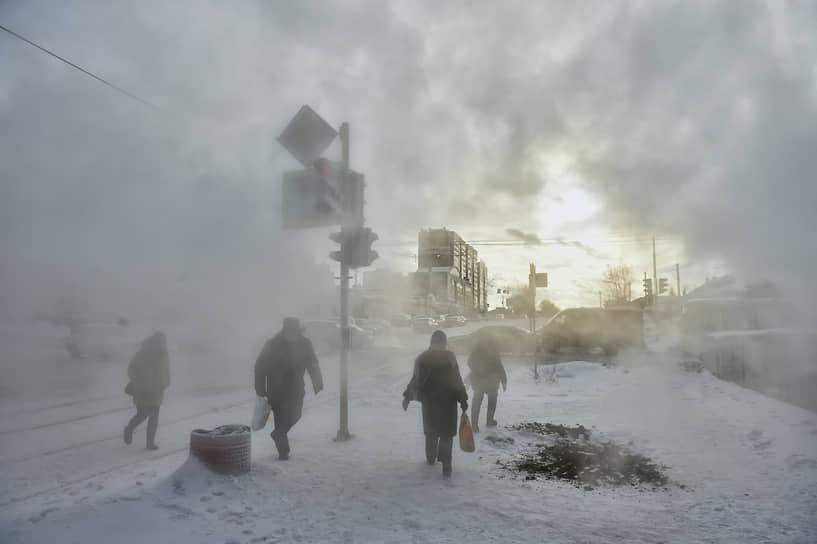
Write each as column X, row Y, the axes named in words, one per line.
column 325, row 336
column 509, row 339
column 425, row 324
column 401, row 320
column 378, row 327
column 454, row 321
column 586, row 328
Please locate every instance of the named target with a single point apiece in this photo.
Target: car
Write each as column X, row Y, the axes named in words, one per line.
column 509, row 340
column 424, row 324
column 401, row 320
column 454, row 321
column 378, row 327
column 586, row 328
column 325, row 335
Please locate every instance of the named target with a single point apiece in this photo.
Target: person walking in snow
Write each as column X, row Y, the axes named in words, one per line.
column 487, row 372
column 279, row 377
column 437, row 384
column 149, row 373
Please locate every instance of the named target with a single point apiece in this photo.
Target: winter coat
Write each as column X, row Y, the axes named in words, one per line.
column 149, row 372
column 279, row 370
column 437, row 383
column 487, row 370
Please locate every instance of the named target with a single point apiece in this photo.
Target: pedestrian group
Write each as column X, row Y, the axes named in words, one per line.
column 279, row 377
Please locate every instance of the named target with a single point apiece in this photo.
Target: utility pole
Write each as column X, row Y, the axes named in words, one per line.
column 307, row 204
column 343, row 432
column 654, row 269
column 601, row 305
column 678, row 278
column 532, row 288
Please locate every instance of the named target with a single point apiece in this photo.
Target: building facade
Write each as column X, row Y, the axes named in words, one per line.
column 450, row 278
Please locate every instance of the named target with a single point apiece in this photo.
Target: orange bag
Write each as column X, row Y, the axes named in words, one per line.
column 466, row 434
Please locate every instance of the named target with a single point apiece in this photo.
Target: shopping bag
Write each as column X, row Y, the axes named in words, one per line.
column 466, row 434
column 260, row 414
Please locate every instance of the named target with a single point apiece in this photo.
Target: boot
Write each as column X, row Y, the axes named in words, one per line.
column 128, row 435
column 431, row 450
column 281, row 444
column 153, row 447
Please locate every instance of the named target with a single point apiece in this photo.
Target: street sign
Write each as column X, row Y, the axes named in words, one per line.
column 316, row 197
column 541, row 279
column 309, row 200
column 307, row 136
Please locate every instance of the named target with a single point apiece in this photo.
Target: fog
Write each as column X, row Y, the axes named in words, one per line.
column 690, row 120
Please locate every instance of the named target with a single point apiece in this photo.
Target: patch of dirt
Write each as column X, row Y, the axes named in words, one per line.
column 586, row 463
column 499, row 439
column 563, row 431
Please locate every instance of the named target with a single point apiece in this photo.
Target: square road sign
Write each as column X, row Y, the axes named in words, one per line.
column 307, row 136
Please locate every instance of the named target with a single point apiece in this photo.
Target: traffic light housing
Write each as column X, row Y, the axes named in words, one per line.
column 647, row 283
column 355, row 247
column 663, row 285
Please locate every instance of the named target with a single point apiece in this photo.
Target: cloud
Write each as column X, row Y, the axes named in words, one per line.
column 524, row 236
column 690, row 119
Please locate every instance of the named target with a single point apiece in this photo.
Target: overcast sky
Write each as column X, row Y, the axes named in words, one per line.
column 592, row 125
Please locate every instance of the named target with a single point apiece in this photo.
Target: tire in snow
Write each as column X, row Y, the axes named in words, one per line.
column 226, row 449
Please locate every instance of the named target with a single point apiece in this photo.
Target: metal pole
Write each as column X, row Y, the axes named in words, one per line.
column 654, row 272
column 532, row 287
column 343, row 432
column 678, row 278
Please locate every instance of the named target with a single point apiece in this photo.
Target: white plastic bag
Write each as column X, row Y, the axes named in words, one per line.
column 260, row 414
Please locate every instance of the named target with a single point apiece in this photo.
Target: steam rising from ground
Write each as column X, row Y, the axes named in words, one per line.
column 693, row 119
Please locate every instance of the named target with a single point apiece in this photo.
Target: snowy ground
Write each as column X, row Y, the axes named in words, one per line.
column 748, row 465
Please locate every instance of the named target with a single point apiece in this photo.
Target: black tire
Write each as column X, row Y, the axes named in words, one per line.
column 225, row 454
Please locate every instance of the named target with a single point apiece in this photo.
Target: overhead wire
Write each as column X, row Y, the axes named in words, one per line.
column 102, row 80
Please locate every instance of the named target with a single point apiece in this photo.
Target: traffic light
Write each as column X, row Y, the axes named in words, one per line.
column 647, row 283
column 362, row 253
column 355, row 247
column 663, row 285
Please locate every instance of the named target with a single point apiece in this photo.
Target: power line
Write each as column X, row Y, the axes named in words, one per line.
column 81, row 69
column 542, row 242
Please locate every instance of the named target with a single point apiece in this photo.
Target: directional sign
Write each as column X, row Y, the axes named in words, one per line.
column 309, row 201
column 307, row 136
column 541, row 279
column 315, row 198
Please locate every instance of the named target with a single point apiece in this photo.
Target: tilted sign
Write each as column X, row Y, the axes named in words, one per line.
column 313, row 199
column 307, row 136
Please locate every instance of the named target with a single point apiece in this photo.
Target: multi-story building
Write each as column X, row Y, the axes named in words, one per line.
column 450, row 278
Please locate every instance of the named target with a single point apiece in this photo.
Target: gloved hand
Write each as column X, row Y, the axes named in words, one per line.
column 464, row 406
column 405, row 403
column 318, row 388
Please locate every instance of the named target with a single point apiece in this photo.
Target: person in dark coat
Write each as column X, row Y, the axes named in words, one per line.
column 487, row 372
column 149, row 373
column 279, row 377
column 437, row 384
